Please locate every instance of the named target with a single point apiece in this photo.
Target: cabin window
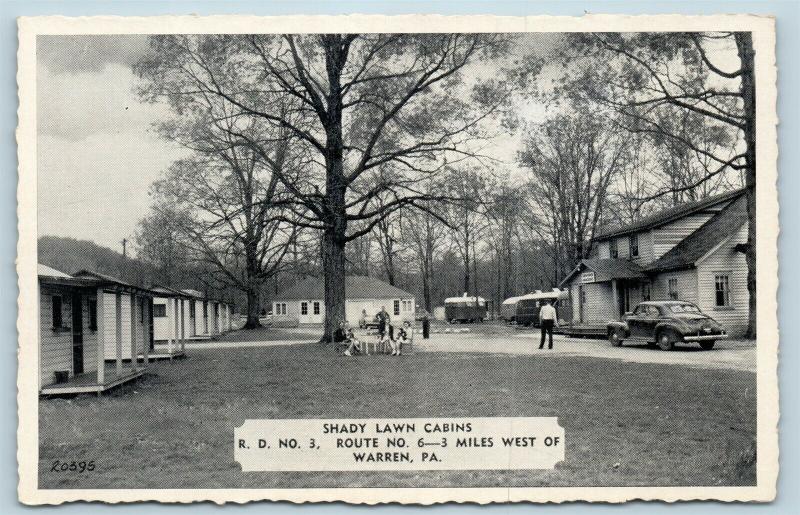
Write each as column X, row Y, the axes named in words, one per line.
column 722, row 291
column 58, row 315
column 612, row 248
column 396, row 307
column 672, row 288
column 634, row 244
column 304, row 308
column 645, row 291
column 159, row 310
column 92, row 305
column 205, row 309
column 316, row 307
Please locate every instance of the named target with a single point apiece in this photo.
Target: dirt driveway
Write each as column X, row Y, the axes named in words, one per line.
column 502, row 339
column 733, row 355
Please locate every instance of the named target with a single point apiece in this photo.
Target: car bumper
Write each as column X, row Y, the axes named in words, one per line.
column 704, row 337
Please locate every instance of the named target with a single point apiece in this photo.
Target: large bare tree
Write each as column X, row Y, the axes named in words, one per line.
column 357, row 102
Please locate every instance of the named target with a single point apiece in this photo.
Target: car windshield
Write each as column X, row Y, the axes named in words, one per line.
column 684, row 308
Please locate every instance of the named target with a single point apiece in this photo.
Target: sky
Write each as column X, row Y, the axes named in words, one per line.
column 97, row 152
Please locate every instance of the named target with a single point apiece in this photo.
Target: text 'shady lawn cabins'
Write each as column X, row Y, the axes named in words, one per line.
column 304, row 303
column 84, row 319
column 694, row 252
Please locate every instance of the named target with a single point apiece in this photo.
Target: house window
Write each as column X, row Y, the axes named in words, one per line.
column 304, row 308
column 159, row 310
column 316, row 307
column 58, row 317
column 396, row 307
column 722, row 291
column 645, row 291
column 612, row 248
column 92, row 305
column 634, row 244
column 672, row 288
column 280, row 308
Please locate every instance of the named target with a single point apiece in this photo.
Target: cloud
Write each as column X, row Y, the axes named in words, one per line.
column 78, row 105
column 89, row 53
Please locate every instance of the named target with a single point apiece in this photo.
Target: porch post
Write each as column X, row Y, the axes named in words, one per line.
column 183, row 325
column 119, row 332
column 615, row 295
column 171, row 328
column 101, row 336
column 146, row 307
column 134, row 354
column 177, row 323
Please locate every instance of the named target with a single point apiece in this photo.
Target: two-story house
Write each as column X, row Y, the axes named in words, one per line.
column 692, row 252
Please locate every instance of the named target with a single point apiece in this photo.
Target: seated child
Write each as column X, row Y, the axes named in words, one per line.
column 355, row 344
column 403, row 336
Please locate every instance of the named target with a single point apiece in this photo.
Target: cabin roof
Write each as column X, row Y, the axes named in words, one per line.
column 699, row 243
column 356, row 287
column 607, row 269
column 166, row 291
column 46, row 271
column 669, row 215
column 105, row 279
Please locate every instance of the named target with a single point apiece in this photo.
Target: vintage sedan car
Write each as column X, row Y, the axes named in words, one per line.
column 665, row 323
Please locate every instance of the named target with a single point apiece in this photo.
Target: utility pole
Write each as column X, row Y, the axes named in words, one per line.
column 124, row 247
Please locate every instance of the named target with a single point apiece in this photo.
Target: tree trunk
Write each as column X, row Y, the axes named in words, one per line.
column 744, row 44
column 333, row 260
column 253, row 307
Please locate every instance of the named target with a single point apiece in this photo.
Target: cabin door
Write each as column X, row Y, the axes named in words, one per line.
column 77, row 335
column 581, row 303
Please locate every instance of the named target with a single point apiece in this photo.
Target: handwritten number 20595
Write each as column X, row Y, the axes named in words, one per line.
column 73, row 466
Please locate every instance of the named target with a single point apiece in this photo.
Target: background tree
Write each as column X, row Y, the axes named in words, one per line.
column 572, row 162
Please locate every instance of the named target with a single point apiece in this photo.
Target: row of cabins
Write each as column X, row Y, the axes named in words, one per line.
column 694, row 252
column 98, row 331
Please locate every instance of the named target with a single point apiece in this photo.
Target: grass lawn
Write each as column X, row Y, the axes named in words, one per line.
column 663, row 424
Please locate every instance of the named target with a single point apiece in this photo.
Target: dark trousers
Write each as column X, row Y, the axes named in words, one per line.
column 547, row 329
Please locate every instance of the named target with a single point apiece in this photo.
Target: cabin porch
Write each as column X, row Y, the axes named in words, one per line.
column 89, row 383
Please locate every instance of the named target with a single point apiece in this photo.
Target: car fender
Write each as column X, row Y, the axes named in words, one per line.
column 667, row 326
column 618, row 324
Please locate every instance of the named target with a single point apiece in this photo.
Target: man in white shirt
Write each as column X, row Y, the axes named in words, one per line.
column 547, row 319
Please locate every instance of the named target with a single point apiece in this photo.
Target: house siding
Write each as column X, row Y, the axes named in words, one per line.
column 599, row 307
column 728, row 261
column 56, row 346
column 687, row 285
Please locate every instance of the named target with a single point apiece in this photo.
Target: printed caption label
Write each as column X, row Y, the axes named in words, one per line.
column 492, row 443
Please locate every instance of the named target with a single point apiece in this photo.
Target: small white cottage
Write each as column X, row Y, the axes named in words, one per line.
column 82, row 320
column 304, row 302
column 173, row 321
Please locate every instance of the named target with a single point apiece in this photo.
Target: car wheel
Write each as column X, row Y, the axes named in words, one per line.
column 708, row 344
column 615, row 336
column 666, row 340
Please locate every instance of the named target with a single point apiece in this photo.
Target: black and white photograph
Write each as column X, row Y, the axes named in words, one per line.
column 379, row 259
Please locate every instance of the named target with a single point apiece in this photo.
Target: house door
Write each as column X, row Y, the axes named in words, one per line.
column 77, row 335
